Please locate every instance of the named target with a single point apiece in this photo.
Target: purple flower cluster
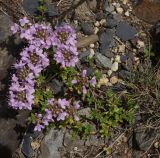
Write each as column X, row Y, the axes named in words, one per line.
column 57, row 110
column 64, row 39
column 40, row 35
column 33, row 61
column 84, row 81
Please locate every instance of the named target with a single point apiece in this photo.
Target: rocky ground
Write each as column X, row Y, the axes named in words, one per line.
column 111, row 33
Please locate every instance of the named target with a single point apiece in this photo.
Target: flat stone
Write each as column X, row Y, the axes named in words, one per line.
column 124, row 74
column 30, row 6
column 106, row 39
column 107, row 53
column 56, row 86
column 87, row 28
column 143, row 138
column 125, row 31
column 26, row 147
column 83, row 56
column 111, row 22
column 103, row 61
column 92, row 5
column 84, row 112
column 51, row 144
column 84, row 42
column 108, row 8
column 6, row 23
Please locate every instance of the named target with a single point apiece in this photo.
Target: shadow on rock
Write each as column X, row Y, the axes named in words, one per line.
column 5, row 152
column 155, row 42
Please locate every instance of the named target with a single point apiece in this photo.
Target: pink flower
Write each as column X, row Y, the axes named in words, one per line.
column 93, row 81
column 24, row 21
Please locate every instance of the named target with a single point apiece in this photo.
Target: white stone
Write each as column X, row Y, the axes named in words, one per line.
column 97, row 24
column 96, row 29
column 119, row 10
column 140, row 44
column 114, row 80
column 109, row 73
column 103, row 22
column 76, row 22
column 136, row 58
column 114, row 66
column 126, row 13
column 84, row 49
column 91, row 53
column 125, row 1
column 118, row 58
column 91, row 45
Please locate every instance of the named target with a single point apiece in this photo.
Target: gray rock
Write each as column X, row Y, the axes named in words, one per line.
column 125, row 31
column 71, row 142
column 83, row 56
column 103, row 61
column 26, row 146
column 85, row 41
column 108, row 8
column 143, row 138
column 118, row 87
column 106, row 39
column 100, row 16
column 6, row 61
column 123, row 58
column 87, row 28
column 6, row 23
column 52, row 10
column 111, row 22
column 30, row 6
column 57, row 86
column 124, row 74
column 84, row 112
column 107, row 53
column 51, row 144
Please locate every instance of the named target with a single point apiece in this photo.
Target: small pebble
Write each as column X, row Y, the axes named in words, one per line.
column 84, row 49
column 136, row 58
column 140, row 44
column 103, row 81
column 97, row 24
column 109, row 84
column 96, row 29
column 126, row 13
column 125, row 2
column 91, row 45
column 156, row 145
column 118, row 59
column 103, row 22
column 119, row 10
column 114, row 80
column 91, row 53
column 121, row 48
column 109, row 73
column 76, row 22
column 114, row 66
